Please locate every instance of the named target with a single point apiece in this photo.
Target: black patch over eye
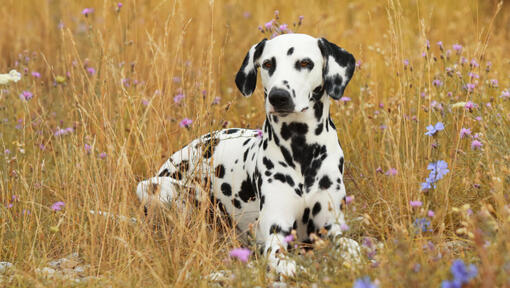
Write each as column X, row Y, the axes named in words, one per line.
column 306, row 63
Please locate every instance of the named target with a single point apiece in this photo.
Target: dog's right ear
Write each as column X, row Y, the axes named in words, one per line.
column 246, row 78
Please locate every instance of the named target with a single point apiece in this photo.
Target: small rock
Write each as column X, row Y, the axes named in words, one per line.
column 68, row 263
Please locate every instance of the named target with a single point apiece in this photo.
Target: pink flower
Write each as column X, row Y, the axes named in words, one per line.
column 87, row 11
column 289, row 238
column 242, row 254
column 36, row 74
column 178, row 98
column 259, row 133
column 216, row 100
column 349, row 199
column 415, row 204
column 478, row 118
column 345, row 99
column 469, row 105
column 102, row 155
column 431, row 213
column 269, row 24
column 26, row 95
column 91, row 70
column 185, row 123
column 391, row 172
column 465, row 132
column 145, row 102
column 457, row 48
column 475, row 144
column 87, row 148
column 119, row 5
column 57, row 206
column 344, row 227
column 284, row 27
column 505, row 94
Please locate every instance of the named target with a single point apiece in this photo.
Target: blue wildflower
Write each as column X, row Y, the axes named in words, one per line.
column 422, row 224
column 364, row 282
column 433, row 129
column 437, row 171
column 461, row 274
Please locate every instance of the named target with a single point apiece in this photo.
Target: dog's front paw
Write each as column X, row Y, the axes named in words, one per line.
column 284, row 267
column 350, row 249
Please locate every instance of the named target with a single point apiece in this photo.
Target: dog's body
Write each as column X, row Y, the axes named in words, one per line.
column 290, row 175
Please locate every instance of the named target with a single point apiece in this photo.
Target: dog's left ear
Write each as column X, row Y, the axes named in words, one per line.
column 338, row 68
column 246, row 78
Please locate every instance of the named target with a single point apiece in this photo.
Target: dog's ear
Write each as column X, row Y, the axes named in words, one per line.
column 246, row 78
column 338, row 68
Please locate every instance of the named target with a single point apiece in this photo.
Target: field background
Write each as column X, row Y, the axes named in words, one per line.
column 111, row 77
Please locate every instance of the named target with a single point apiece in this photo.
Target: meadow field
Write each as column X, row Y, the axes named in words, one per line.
column 108, row 90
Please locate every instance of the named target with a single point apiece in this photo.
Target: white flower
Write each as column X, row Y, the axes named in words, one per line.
column 13, row 76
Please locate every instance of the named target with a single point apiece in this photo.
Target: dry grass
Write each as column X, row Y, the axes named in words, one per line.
column 195, row 46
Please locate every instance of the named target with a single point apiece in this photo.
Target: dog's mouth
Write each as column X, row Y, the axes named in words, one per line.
column 286, row 112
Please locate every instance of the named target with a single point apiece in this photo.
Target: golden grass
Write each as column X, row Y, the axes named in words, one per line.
column 203, row 43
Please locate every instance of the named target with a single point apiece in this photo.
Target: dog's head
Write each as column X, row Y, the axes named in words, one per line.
column 296, row 70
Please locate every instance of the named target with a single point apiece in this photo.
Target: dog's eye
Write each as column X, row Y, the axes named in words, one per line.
column 267, row 64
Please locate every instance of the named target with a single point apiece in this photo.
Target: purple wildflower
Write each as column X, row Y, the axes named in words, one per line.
column 119, row 5
column 494, row 83
column 345, row 99
column 349, row 199
column 26, row 95
column 473, row 63
column 465, row 132
column 91, row 70
column 216, row 100
column 284, row 28
column 87, row 11
column 391, row 172
column 431, row 213
column 406, row 62
column 415, row 203
column 505, row 94
column 457, row 48
column 344, row 227
column 475, row 144
column 87, row 148
column 242, row 254
column 57, row 206
column 185, row 123
column 437, row 83
column 178, row 98
column 259, row 133
column 469, row 105
column 269, row 24
column 461, row 274
column 102, row 155
column 289, row 238
column 36, row 74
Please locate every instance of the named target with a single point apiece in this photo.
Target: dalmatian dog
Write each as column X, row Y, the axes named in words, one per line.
column 289, row 176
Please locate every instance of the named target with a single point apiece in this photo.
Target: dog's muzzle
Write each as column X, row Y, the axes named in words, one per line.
column 281, row 101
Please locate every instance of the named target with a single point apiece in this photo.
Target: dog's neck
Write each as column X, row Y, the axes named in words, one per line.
column 314, row 123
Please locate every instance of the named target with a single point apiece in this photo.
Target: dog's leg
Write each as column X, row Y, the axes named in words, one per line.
column 277, row 220
column 327, row 212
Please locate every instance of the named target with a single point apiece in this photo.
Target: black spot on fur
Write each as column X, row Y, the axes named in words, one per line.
column 283, row 164
column 275, row 119
column 287, row 156
column 298, row 191
column 265, row 145
column 310, row 227
column 164, row 173
column 318, row 108
column 231, row 131
column 236, row 203
column 341, row 166
column 331, row 123
column 316, row 208
column 181, row 168
column 280, row 177
column 245, row 156
column 267, row 173
column 289, row 180
column 262, row 200
column 220, row 171
column 319, row 129
column 226, row 189
column 306, row 215
column 246, row 142
column 275, row 228
column 209, row 146
column 247, row 192
column 290, row 51
column 294, row 128
column 325, row 183
column 268, row 163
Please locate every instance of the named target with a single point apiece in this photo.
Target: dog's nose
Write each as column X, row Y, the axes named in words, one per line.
column 281, row 100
